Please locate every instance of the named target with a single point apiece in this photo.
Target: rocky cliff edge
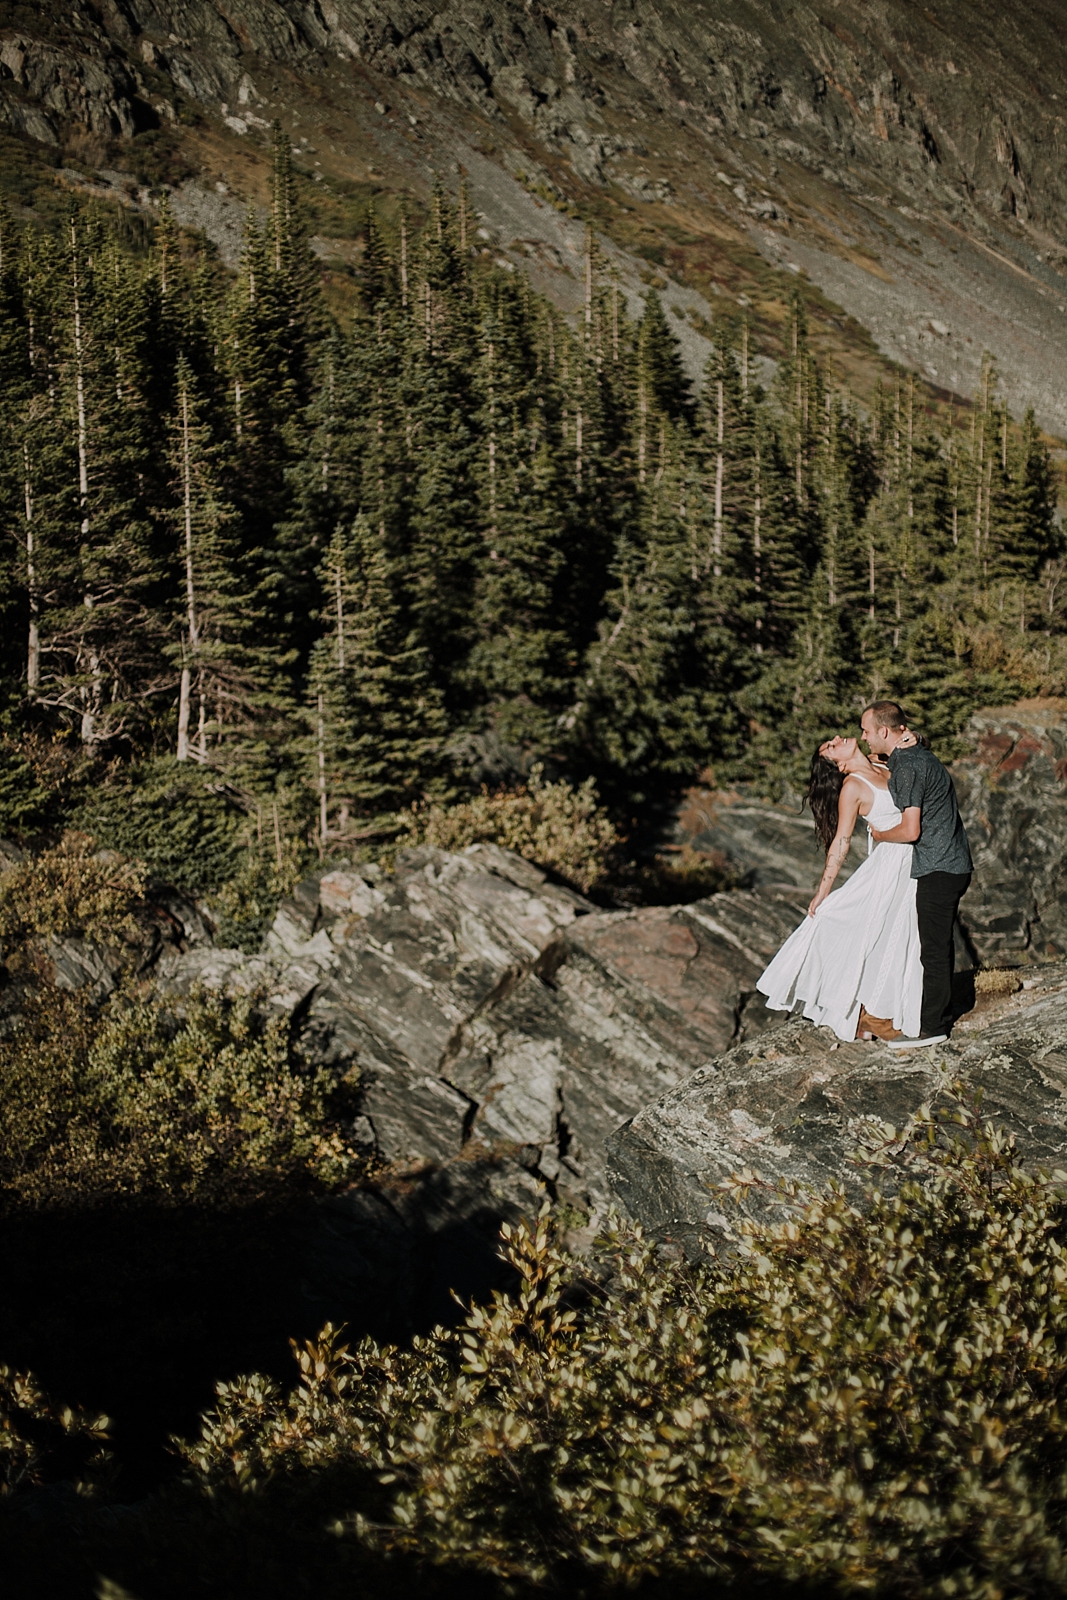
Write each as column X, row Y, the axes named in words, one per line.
column 797, row 1107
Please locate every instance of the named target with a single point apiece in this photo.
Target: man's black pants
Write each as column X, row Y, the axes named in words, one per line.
column 937, row 896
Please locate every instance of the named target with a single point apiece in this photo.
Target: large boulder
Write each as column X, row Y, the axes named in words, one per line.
column 1013, row 795
column 762, row 843
column 795, row 1105
column 489, row 1010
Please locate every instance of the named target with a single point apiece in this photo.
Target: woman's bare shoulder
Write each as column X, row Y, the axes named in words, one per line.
column 854, row 788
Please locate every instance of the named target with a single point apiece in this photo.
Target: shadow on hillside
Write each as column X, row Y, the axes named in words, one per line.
column 139, row 1311
column 284, row 1548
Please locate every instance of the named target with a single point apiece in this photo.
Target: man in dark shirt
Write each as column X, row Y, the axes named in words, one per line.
column 941, row 861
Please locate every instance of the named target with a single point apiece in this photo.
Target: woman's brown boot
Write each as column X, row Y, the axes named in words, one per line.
column 875, row 1027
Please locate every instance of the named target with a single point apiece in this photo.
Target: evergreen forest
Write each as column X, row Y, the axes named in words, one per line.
column 280, row 589
column 342, row 570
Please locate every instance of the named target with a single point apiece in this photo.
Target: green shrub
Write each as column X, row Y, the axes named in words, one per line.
column 245, row 905
column 176, row 1102
column 182, row 820
column 41, row 781
column 34, row 1429
column 874, row 1398
column 70, row 889
column 552, row 824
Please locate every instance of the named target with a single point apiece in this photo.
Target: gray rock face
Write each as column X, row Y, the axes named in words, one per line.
column 489, row 1010
column 794, row 1104
column 764, row 844
column 875, row 93
column 47, row 85
column 1013, row 795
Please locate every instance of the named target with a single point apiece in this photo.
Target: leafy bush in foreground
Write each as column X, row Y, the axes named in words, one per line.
column 875, row 1397
column 197, row 1100
column 179, row 1099
column 553, row 824
column 33, row 1430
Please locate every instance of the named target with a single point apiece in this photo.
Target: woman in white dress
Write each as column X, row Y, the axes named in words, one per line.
column 855, row 957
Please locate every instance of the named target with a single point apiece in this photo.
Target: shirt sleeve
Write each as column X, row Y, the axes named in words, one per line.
column 906, row 786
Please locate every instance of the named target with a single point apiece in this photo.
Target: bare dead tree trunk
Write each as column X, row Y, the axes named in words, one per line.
column 716, row 547
column 578, row 449
column 184, row 696
column 329, row 436
column 340, row 622
column 323, row 809
column 492, row 443
column 191, row 618
column 92, row 697
column 33, row 639
column 757, row 546
column 403, row 261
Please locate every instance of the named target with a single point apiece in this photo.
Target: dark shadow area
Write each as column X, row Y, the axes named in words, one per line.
column 963, row 995
column 139, row 1312
column 269, row 1547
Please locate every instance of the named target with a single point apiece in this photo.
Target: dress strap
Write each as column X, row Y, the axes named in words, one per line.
column 876, row 792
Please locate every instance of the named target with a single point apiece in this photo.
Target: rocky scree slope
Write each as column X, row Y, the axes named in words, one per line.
column 904, row 157
column 961, row 101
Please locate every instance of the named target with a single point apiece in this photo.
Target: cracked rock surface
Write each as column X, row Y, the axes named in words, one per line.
column 491, row 1011
column 1013, row 796
column 793, row 1106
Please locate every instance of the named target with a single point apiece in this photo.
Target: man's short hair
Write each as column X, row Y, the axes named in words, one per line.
column 887, row 714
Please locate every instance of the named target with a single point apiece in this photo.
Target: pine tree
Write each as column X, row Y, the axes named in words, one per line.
column 444, row 552
column 517, row 666
column 19, row 581
column 377, row 725
column 228, row 665
column 536, row 524
column 100, row 629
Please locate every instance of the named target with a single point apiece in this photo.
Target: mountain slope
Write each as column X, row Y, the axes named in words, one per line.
column 907, row 159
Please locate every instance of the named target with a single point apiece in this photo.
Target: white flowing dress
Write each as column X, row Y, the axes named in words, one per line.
column 862, row 945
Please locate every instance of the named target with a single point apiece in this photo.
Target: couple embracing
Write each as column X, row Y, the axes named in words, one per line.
column 875, row 959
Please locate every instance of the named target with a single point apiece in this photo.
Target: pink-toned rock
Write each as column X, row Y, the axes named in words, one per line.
column 1013, row 796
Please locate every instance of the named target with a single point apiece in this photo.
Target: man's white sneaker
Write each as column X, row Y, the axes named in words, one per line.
column 920, row 1043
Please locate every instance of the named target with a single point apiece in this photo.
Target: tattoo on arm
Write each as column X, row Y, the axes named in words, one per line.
column 836, row 854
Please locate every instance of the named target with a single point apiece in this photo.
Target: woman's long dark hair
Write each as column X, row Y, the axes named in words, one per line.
column 824, row 789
